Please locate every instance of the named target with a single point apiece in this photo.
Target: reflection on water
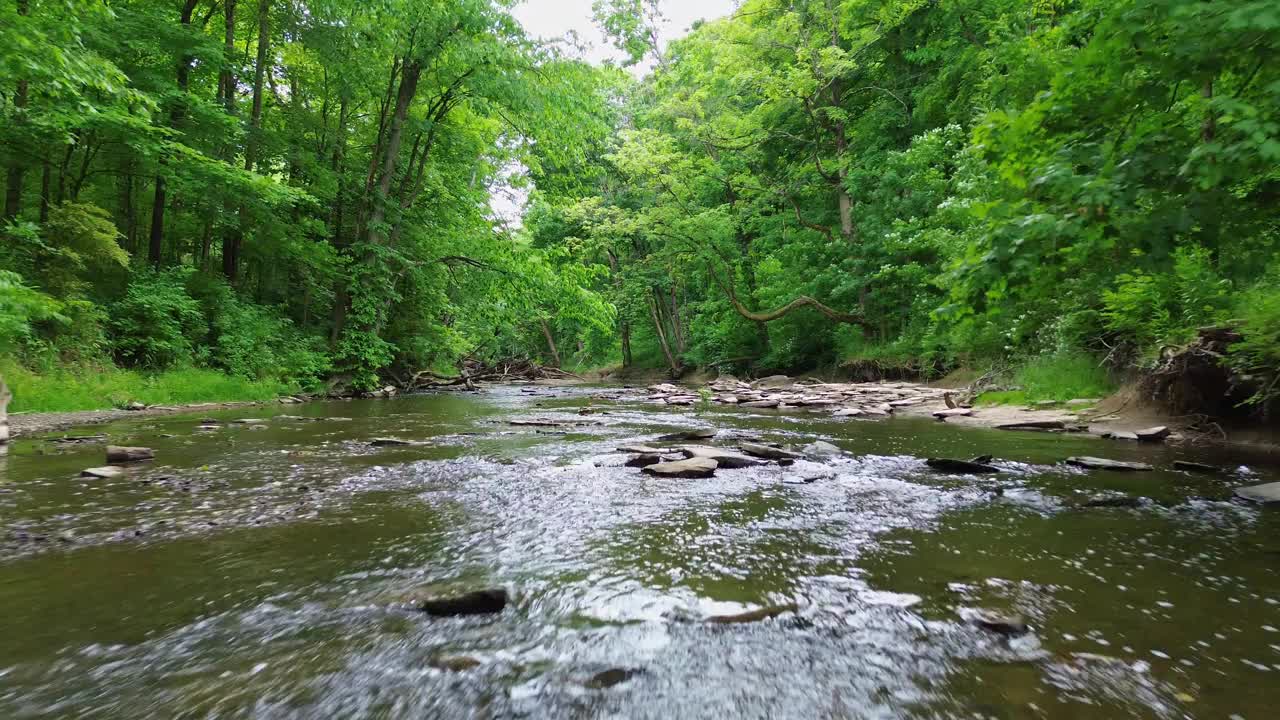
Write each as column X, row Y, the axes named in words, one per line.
column 259, row 572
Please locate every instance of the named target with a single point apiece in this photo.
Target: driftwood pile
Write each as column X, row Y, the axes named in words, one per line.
column 471, row 372
column 781, row 392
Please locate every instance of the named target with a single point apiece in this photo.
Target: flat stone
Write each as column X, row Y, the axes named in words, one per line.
column 848, row 412
column 1034, row 425
column 690, row 435
column 121, row 454
column 535, row 423
column 769, row 452
column 1152, row 434
column 1095, row 463
column 1196, row 467
column 764, row 613
column 102, row 473
column 960, row 467
column 1120, row 435
column 692, row 468
column 952, row 412
column 248, row 421
column 390, row 441
column 1267, row 494
column 480, row 602
column 724, row 458
column 773, row 381
column 760, row 404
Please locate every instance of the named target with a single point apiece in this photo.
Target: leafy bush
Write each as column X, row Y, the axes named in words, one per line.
column 1259, row 353
column 1058, row 377
column 1152, row 310
column 152, row 325
column 19, row 306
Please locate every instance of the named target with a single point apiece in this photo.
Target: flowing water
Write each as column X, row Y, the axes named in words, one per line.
column 260, row 570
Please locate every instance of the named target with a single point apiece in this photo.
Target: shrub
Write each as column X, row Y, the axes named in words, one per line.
column 152, row 325
column 1259, row 352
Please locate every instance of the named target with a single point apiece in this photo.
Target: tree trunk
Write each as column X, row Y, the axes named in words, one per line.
column 625, row 330
column 127, row 209
column 156, row 243
column 551, row 342
column 682, row 343
column 391, row 153
column 234, row 241
column 16, row 171
column 4, row 417
column 46, row 187
column 662, row 337
column 624, row 325
column 226, row 78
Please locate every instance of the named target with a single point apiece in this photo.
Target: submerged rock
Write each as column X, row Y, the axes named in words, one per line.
column 643, row 449
column 1095, row 463
column 1007, row 625
column 764, row 613
column 613, row 676
column 1114, row 502
column 724, row 458
column 102, row 473
column 122, row 454
column 690, row 435
column 821, row 449
column 769, row 452
column 480, row 602
column 962, row 467
column 697, row 467
column 1267, row 494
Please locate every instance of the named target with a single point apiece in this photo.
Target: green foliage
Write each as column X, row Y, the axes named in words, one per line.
column 1258, row 354
column 19, row 306
column 154, row 323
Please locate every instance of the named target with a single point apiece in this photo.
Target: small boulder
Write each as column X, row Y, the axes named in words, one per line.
column 961, row 467
column 764, row 613
column 1094, row 463
column 848, row 412
column 689, row 435
column 952, row 412
column 1120, row 435
column 390, row 442
column 1267, row 494
column 697, row 467
column 135, row 406
column 121, row 454
column 102, row 473
column 644, row 460
column 480, row 602
column 769, row 452
column 760, row 404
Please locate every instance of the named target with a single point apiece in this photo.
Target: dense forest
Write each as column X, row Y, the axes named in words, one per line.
column 300, row 190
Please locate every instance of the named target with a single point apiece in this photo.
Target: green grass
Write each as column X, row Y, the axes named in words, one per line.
column 1054, row 377
column 70, row 389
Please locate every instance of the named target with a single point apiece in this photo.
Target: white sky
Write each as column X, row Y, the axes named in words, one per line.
column 551, row 19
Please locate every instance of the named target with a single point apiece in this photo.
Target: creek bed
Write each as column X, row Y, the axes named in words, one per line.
column 259, row 570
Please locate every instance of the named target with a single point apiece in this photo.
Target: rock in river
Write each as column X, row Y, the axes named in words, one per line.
column 1196, row 467
column 723, row 458
column 454, row 663
column 961, row 467
column 769, row 452
column 952, row 412
column 102, row 473
column 121, row 454
column 389, row 442
column 480, row 602
column 690, row 435
column 644, row 460
column 642, row 449
column 1007, row 625
column 611, row 677
column 1268, row 494
column 821, row 449
column 697, row 467
column 1152, row 434
column 1094, row 463
column 1034, row 425
column 764, row 613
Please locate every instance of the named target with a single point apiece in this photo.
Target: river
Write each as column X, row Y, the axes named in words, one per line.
column 259, row 570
